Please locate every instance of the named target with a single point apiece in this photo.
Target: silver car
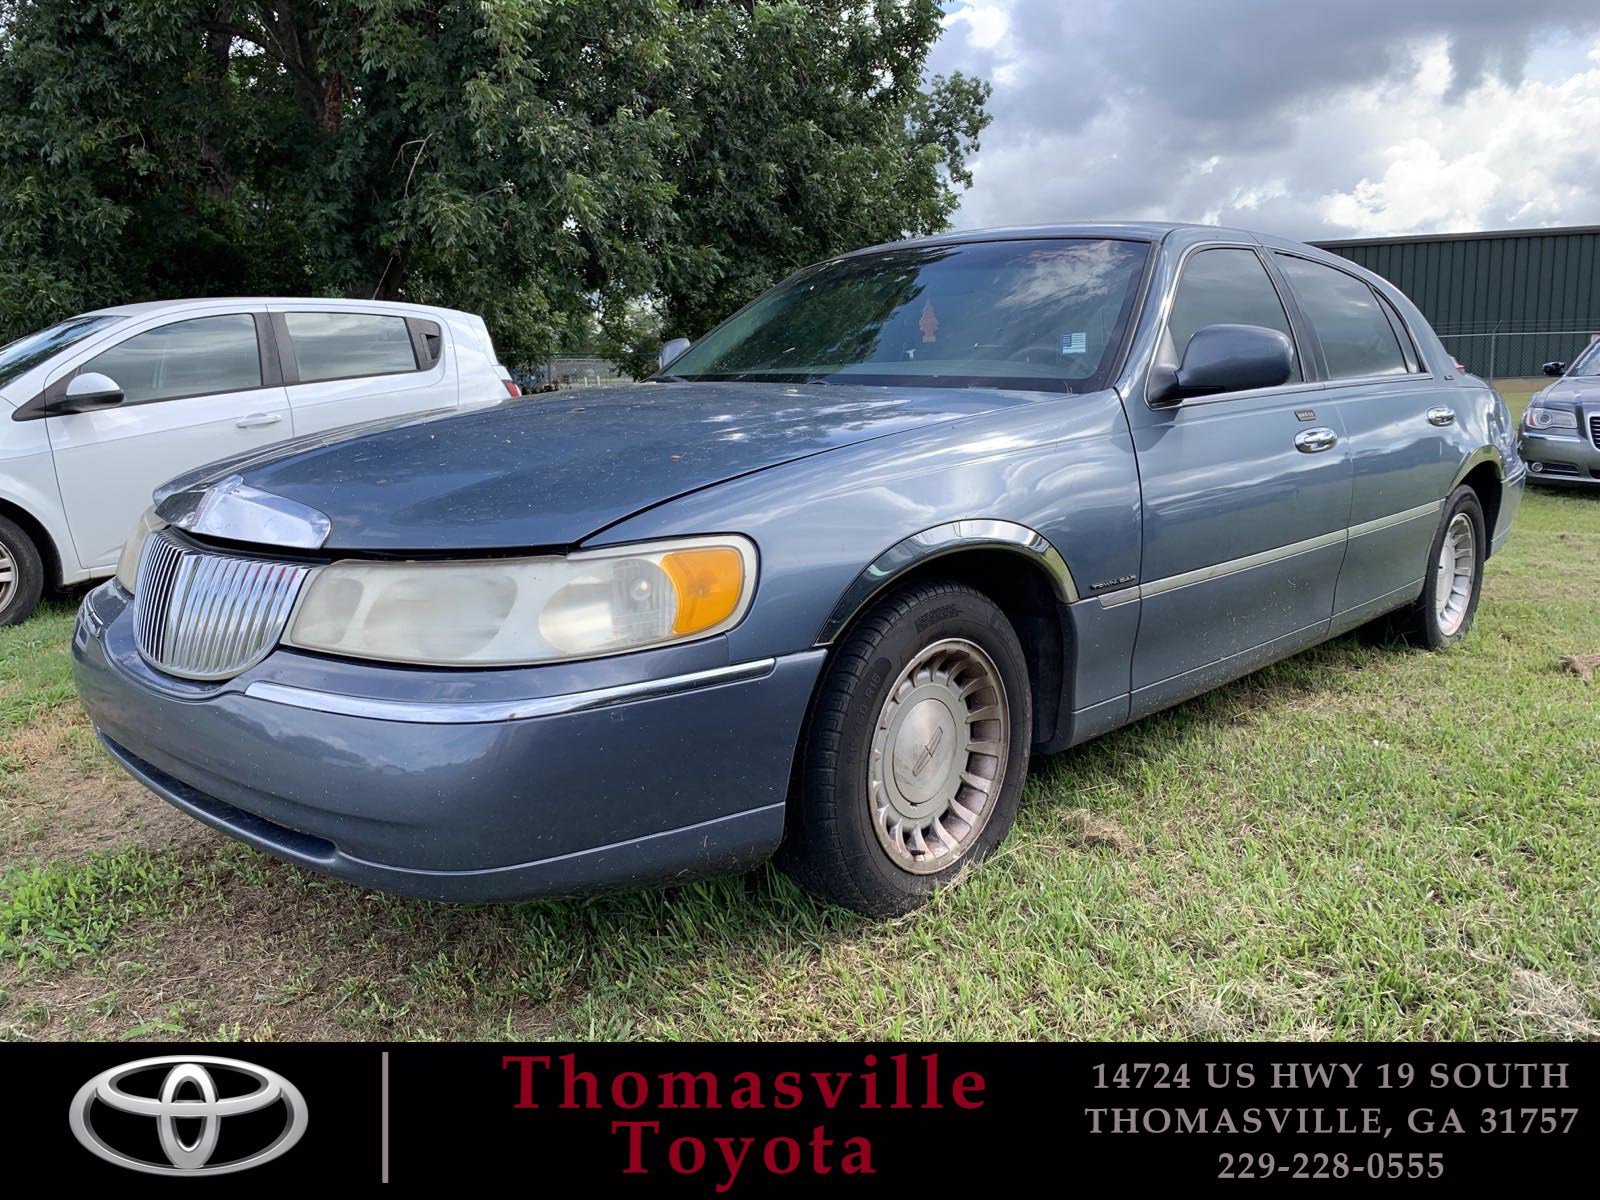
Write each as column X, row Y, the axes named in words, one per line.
column 1561, row 429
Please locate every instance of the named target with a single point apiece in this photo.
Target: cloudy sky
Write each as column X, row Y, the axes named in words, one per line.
column 1308, row 118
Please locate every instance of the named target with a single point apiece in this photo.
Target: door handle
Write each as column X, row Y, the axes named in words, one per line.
column 258, row 420
column 1314, row 441
column 1441, row 416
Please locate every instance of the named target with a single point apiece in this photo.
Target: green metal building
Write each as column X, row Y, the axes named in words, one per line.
column 1504, row 302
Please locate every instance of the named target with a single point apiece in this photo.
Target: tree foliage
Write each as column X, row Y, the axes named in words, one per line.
column 575, row 170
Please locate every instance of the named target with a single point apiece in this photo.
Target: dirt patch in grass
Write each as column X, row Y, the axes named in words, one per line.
column 1094, row 833
column 1553, row 1005
column 1581, row 665
column 62, row 797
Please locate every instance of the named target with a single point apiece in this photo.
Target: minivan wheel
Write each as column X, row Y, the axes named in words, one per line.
column 21, row 573
column 917, row 749
column 1443, row 614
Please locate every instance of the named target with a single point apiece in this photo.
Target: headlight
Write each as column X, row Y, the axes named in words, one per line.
column 128, row 564
column 503, row 612
column 1550, row 418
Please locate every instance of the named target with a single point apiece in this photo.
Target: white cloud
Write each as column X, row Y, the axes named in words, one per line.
column 1504, row 155
column 1361, row 117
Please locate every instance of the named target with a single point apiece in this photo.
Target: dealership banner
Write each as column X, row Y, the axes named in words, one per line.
column 720, row 1120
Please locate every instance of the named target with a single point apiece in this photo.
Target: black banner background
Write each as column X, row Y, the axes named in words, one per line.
column 453, row 1118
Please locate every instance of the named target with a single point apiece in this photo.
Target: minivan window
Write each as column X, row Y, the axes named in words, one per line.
column 1225, row 286
column 1357, row 339
column 340, row 345
column 1038, row 314
column 23, row 355
column 197, row 357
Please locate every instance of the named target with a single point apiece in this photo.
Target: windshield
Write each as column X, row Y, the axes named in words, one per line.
column 1047, row 314
column 21, row 356
column 1588, row 363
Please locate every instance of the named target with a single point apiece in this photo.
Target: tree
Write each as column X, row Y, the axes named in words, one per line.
column 552, row 164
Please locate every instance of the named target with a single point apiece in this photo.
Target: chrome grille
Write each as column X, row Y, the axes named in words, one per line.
column 201, row 615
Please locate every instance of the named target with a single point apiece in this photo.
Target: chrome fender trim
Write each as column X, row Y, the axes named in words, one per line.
column 940, row 540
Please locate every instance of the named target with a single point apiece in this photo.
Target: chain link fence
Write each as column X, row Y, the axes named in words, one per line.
column 571, row 371
column 1514, row 350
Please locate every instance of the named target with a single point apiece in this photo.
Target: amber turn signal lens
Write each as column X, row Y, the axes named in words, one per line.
column 709, row 583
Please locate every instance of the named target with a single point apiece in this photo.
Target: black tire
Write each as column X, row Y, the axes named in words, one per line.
column 19, row 595
column 834, row 846
column 1422, row 623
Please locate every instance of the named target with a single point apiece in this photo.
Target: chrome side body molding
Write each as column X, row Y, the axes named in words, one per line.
column 1277, row 554
column 465, row 712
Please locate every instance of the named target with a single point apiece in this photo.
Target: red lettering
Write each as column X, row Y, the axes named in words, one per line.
column 636, row 1143
column 858, row 1160
column 524, row 1076
column 571, row 1079
column 787, row 1086
column 734, row 1162
column 967, row 1082
column 697, row 1151
column 830, row 1095
column 640, row 1086
column 791, row 1149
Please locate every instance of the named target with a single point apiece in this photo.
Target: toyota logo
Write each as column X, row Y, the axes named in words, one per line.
column 168, row 1108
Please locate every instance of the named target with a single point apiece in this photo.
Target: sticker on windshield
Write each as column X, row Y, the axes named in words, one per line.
column 1075, row 343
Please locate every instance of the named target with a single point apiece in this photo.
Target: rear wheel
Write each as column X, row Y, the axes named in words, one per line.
column 915, row 757
column 21, row 573
column 1443, row 614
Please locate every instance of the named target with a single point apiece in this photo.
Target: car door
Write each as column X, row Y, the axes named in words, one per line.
column 1245, row 498
column 194, row 389
column 1400, row 428
column 343, row 366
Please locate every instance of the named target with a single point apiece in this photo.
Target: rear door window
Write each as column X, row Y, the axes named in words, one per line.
column 1356, row 335
column 340, row 345
column 1225, row 286
column 199, row 357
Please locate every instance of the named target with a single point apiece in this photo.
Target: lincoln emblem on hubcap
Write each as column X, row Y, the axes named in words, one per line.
column 938, row 755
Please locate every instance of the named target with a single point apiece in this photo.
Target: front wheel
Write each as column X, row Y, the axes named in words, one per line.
column 21, row 573
column 1443, row 613
column 915, row 756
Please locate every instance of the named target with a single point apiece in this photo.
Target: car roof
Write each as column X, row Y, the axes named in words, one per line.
column 1144, row 231
column 147, row 307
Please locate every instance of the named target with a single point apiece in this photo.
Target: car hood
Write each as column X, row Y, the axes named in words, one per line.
column 550, row 470
column 1572, row 390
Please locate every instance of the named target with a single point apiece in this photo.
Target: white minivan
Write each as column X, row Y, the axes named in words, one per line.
column 102, row 408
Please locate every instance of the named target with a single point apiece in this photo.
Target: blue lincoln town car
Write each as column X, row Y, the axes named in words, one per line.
column 816, row 590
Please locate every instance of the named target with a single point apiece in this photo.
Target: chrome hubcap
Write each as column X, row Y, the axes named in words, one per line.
column 1452, row 590
column 8, row 577
column 939, row 756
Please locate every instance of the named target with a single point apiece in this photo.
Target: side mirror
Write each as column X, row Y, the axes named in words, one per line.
column 671, row 350
column 1554, row 368
column 1226, row 358
column 87, row 392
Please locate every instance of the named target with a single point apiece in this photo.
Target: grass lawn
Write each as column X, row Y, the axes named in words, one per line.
column 1362, row 842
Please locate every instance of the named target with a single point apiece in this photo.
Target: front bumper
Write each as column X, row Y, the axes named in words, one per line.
column 439, row 785
column 1562, row 460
